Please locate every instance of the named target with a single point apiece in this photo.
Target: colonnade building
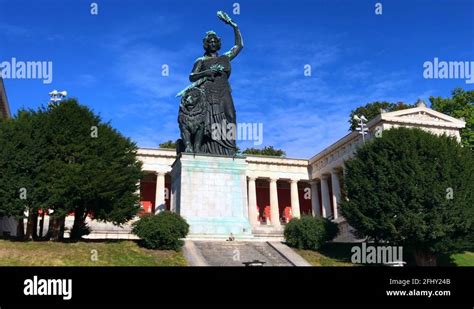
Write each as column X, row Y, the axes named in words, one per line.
column 279, row 189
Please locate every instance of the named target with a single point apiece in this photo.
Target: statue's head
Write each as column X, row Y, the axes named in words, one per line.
column 211, row 42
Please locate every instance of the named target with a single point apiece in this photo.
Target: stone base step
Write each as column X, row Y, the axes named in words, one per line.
column 198, row 237
column 268, row 235
column 107, row 235
column 267, row 232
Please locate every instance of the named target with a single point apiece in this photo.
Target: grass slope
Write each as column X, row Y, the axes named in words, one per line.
column 339, row 254
column 83, row 253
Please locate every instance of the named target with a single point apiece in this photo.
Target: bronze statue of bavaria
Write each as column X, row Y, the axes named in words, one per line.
column 207, row 105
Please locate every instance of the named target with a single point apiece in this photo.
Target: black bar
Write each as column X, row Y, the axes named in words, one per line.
column 239, row 285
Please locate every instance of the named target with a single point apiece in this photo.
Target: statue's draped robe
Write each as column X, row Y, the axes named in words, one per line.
column 221, row 106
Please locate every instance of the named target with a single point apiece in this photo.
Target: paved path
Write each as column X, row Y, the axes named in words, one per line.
column 233, row 253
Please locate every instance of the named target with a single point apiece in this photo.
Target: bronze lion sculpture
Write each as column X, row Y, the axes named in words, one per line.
column 192, row 119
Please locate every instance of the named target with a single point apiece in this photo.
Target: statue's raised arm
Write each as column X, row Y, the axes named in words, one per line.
column 239, row 44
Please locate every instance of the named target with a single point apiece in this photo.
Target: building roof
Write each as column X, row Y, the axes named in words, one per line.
column 4, row 108
column 421, row 115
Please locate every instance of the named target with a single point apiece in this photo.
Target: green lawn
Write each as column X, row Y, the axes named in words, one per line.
column 108, row 253
column 457, row 259
column 332, row 254
column 339, row 254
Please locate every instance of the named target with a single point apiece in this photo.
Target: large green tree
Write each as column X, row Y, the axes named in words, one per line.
column 96, row 171
column 460, row 105
column 372, row 110
column 23, row 158
column 414, row 189
column 81, row 165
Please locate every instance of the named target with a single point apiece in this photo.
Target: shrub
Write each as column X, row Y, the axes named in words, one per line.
column 309, row 232
column 162, row 231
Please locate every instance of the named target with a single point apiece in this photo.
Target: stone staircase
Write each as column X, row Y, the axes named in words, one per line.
column 236, row 253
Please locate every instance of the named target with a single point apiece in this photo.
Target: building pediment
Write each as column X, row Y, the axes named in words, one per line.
column 422, row 115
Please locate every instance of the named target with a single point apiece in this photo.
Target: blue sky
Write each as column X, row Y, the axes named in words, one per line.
column 112, row 62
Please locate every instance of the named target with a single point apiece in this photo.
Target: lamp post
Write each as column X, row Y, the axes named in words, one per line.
column 56, row 96
column 361, row 126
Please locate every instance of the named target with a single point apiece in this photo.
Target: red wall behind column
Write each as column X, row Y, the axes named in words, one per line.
column 147, row 192
column 263, row 200
column 284, row 200
column 305, row 204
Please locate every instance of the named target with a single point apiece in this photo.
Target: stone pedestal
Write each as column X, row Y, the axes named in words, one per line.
column 210, row 192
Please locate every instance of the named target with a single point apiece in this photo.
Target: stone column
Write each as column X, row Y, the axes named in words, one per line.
column 336, row 192
column 138, row 192
column 274, row 210
column 315, row 198
column 295, row 202
column 253, row 213
column 326, row 203
column 160, row 192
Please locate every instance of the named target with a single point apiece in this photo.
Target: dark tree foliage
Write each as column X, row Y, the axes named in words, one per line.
column 372, row 110
column 168, row 144
column 414, row 189
column 461, row 105
column 69, row 161
column 96, row 171
column 266, row 151
column 23, row 174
